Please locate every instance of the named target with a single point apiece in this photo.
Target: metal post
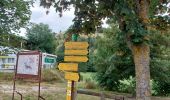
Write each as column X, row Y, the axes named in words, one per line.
column 13, row 95
column 15, row 69
column 40, row 58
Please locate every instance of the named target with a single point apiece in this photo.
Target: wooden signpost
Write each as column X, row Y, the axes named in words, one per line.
column 75, row 52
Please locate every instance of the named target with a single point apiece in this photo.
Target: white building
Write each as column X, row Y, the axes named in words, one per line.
column 8, row 60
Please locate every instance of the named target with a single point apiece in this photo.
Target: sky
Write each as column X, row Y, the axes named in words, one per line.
column 55, row 22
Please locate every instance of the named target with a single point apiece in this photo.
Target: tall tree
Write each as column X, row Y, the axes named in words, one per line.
column 14, row 14
column 133, row 17
column 40, row 37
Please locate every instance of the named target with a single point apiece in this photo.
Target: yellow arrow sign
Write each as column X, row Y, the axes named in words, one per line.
column 76, row 58
column 72, row 76
column 68, row 66
column 76, row 45
column 76, row 52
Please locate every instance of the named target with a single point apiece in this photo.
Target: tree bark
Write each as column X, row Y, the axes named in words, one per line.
column 142, row 69
column 141, row 55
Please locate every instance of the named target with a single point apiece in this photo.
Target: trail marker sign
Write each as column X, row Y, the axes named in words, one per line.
column 72, row 76
column 68, row 66
column 76, row 45
column 75, row 52
column 76, row 58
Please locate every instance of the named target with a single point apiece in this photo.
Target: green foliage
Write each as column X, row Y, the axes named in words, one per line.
column 12, row 40
column 87, row 80
column 89, row 13
column 127, row 85
column 160, row 66
column 40, row 37
column 60, row 47
column 14, row 14
column 114, row 62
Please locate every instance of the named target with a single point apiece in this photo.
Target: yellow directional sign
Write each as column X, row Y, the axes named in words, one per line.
column 68, row 66
column 76, row 52
column 72, row 76
column 76, row 45
column 76, row 58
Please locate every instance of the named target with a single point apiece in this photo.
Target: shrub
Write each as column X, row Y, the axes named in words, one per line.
column 127, row 85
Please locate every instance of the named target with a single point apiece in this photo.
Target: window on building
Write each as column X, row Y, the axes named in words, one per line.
column 3, row 60
column 11, row 60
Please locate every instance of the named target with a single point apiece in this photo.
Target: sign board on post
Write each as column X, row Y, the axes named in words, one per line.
column 49, row 60
column 28, row 65
column 75, row 52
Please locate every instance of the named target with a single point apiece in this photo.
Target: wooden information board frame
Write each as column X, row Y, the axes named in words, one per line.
column 30, row 77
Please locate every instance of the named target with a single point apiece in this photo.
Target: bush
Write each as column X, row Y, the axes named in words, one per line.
column 87, row 81
column 127, row 85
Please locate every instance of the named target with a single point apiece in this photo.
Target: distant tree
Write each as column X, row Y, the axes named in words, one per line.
column 14, row 14
column 40, row 37
column 60, row 47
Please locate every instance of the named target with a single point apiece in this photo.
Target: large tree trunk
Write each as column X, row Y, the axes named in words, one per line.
column 141, row 55
column 142, row 60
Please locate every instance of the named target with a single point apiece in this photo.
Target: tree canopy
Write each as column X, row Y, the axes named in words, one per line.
column 14, row 14
column 41, row 37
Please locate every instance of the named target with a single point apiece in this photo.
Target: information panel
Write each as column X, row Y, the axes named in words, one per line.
column 28, row 64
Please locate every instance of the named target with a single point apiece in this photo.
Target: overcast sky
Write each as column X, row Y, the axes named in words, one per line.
column 55, row 22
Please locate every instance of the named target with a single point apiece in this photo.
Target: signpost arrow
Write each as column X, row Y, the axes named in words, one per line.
column 76, row 45
column 72, row 76
column 76, row 58
column 68, row 66
column 76, row 52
